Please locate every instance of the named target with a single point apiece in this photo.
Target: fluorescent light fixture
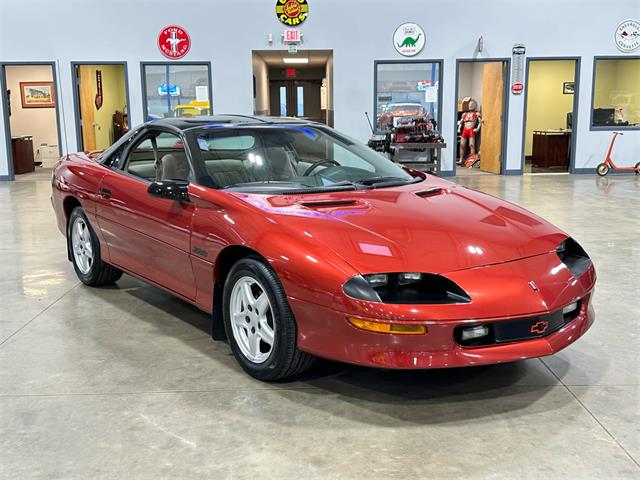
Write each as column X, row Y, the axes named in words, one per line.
column 295, row 59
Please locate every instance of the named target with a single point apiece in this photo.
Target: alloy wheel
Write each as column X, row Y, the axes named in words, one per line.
column 81, row 245
column 252, row 321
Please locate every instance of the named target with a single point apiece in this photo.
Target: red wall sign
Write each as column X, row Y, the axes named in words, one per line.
column 174, row 42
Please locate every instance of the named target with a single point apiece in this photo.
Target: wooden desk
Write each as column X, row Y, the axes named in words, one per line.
column 551, row 148
column 22, row 152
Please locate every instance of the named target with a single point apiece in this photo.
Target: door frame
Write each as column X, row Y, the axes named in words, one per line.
column 178, row 63
column 505, row 108
column 5, row 109
column 576, row 96
column 76, row 99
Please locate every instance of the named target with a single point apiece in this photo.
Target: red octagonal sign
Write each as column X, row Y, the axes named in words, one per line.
column 174, row 42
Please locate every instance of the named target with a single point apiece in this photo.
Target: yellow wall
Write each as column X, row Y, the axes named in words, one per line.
column 547, row 106
column 113, row 98
column 618, row 85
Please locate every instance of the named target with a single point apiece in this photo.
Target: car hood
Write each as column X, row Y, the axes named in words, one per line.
column 434, row 226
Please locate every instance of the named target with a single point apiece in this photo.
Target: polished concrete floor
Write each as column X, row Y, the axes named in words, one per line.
column 124, row 382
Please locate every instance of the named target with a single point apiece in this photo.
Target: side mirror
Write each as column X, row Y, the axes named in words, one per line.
column 177, row 190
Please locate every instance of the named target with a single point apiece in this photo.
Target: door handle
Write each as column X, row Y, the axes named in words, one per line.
column 105, row 192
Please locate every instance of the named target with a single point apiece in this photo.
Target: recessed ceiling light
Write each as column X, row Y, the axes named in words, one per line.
column 295, row 59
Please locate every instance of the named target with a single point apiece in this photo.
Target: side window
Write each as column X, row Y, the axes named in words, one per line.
column 166, row 160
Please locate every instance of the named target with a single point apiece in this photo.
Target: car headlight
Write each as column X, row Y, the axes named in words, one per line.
column 405, row 288
column 573, row 256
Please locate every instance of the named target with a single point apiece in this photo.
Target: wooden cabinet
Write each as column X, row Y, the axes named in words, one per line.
column 551, row 149
column 22, row 151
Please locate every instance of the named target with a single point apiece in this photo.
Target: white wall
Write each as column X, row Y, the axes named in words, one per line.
column 358, row 31
column 470, row 82
column 261, row 72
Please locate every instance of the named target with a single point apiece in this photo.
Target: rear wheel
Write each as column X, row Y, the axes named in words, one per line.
column 85, row 252
column 602, row 169
column 259, row 323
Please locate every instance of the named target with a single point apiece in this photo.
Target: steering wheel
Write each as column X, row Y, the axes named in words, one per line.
column 313, row 166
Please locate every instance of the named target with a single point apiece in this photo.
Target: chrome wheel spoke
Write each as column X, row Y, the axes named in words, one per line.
column 265, row 332
column 262, row 304
column 254, row 344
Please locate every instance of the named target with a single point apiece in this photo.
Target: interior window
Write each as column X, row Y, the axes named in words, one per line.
column 616, row 93
column 159, row 156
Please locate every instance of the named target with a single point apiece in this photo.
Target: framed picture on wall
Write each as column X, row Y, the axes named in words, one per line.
column 568, row 88
column 37, row 95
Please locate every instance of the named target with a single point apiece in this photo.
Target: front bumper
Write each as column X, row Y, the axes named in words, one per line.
column 326, row 333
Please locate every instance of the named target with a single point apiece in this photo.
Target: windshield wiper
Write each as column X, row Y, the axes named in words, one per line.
column 378, row 180
column 275, row 183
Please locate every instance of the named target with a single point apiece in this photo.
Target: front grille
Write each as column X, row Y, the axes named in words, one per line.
column 519, row 329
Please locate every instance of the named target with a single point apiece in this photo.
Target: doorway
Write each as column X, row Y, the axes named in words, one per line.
column 294, row 85
column 551, row 96
column 31, row 117
column 101, row 104
column 481, row 107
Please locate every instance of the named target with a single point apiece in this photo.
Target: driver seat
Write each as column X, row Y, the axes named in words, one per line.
column 174, row 168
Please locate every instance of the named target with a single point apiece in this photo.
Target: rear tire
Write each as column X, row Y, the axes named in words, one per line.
column 259, row 323
column 602, row 169
column 84, row 249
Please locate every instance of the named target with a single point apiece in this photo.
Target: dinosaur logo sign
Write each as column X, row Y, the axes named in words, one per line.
column 409, row 39
column 292, row 12
column 174, row 42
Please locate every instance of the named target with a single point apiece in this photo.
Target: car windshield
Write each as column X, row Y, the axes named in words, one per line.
column 291, row 158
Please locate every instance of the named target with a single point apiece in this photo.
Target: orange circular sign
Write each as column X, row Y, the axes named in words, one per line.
column 292, row 9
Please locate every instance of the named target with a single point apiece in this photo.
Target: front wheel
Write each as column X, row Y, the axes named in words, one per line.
column 84, row 246
column 259, row 323
column 602, row 169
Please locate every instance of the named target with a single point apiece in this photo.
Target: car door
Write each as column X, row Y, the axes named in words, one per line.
column 147, row 235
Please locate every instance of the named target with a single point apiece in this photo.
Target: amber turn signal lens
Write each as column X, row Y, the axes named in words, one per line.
column 394, row 328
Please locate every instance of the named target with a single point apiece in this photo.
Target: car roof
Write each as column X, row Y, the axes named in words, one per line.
column 199, row 121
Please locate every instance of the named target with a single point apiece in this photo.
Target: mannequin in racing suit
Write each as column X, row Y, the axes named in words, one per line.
column 468, row 126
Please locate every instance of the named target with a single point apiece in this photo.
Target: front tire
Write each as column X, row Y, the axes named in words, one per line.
column 602, row 169
column 259, row 323
column 84, row 247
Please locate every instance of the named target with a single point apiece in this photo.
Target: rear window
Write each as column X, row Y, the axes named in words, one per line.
column 235, row 142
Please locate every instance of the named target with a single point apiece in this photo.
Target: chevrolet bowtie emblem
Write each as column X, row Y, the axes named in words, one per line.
column 539, row 327
column 533, row 285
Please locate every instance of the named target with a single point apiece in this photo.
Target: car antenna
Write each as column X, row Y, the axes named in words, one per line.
column 366, row 114
column 61, row 110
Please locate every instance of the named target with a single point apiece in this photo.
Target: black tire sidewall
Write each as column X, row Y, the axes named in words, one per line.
column 90, row 277
column 285, row 340
column 604, row 167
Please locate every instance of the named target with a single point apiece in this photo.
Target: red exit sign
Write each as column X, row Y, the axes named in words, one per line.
column 291, row 35
column 290, row 72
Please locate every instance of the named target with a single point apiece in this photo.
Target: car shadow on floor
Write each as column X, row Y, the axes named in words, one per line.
column 378, row 396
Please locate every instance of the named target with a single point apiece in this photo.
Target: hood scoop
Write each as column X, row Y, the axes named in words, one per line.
column 328, row 203
column 433, row 192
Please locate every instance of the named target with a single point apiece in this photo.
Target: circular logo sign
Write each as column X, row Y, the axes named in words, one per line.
column 409, row 39
column 292, row 12
column 627, row 36
column 174, row 42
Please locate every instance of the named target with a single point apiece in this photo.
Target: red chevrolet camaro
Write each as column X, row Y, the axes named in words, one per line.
column 302, row 242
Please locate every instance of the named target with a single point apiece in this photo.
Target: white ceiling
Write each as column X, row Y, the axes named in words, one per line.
column 273, row 58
